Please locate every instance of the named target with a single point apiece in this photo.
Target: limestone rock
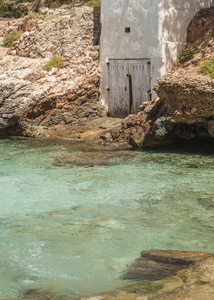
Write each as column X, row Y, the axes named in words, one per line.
column 189, row 93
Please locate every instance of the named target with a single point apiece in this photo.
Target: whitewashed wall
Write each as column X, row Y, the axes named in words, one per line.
column 157, row 31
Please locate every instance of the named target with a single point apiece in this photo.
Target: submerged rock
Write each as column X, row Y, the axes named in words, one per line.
column 91, row 159
column 158, row 264
column 167, row 275
column 207, row 201
column 41, row 294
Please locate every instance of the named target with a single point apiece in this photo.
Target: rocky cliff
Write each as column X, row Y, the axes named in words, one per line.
column 35, row 102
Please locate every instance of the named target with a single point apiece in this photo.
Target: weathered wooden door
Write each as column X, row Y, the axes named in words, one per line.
column 129, row 85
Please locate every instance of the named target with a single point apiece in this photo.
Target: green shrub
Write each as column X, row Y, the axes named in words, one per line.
column 187, row 54
column 5, row 10
column 23, row 1
column 208, row 68
column 32, row 14
column 20, row 11
column 56, row 3
column 9, row 10
column 12, row 37
column 93, row 3
column 54, row 62
column 53, row 3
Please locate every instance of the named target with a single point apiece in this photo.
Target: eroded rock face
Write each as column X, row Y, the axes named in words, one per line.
column 189, row 102
column 187, row 94
column 32, row 100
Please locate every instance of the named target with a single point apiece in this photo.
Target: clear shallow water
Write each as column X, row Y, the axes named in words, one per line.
column 72, row 230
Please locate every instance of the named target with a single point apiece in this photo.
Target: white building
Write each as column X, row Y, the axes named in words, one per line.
column 140, row 41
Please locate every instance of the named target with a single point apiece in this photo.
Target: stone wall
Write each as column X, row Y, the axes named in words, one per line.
column 72, row 37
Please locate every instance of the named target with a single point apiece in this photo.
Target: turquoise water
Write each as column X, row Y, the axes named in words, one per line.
column 71, row 228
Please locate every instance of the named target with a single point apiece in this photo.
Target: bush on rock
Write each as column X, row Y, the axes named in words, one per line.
column 54, row 62
column 11, row 10
column 12, row 37
column 187, row 54
column 207, row 68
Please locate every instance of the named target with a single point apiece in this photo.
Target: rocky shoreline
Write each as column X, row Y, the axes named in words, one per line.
column 159, row 275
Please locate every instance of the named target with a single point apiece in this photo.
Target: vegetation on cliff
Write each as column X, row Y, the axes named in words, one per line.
column 54, row 62
column 12, row 37
column 187, row 54
column 12, row 10
column 56, row 3
column 18, row 9
column 208, row 68
column 93, row 3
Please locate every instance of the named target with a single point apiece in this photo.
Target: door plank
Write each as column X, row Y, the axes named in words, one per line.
column 129, row 81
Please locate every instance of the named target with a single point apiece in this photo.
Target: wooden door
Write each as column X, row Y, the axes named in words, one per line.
column 129, row 85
